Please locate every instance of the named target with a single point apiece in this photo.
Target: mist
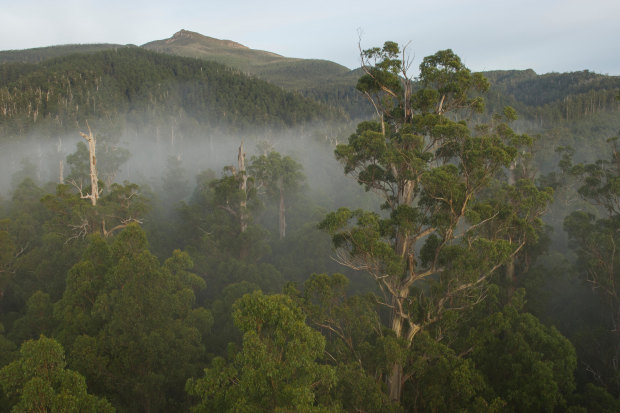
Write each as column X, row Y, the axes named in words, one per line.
column 40, row 157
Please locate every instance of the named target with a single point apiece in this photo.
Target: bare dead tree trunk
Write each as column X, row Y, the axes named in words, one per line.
column 94, row 183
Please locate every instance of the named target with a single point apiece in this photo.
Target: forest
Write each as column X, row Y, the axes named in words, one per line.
column 176, row 235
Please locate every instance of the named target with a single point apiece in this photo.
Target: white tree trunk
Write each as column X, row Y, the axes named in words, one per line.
column 94, row 182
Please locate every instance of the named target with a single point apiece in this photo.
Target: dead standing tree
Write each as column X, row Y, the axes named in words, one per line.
column 123, row 203
column 232, row 191
column 94, row 181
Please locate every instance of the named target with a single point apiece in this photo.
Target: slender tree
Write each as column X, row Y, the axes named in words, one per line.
column 278, row 176
column 596, row 240
column 92, row 158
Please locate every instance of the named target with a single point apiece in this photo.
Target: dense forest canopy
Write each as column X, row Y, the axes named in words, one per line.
column 373, row 241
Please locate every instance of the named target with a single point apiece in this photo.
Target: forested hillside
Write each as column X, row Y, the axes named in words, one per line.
column 290, row 73
column 216, row 243
column 134, row 85
column 40, row 54
column 554, row 97
column 545, row 99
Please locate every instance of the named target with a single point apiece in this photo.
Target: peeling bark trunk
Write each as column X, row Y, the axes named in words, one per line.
column 94, row 184
column 401, row 288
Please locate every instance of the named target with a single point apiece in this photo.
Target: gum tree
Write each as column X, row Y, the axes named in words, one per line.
column 278, row 176
column 39, row 382
column 450, row 221
column 277, row 368
column 596, row 241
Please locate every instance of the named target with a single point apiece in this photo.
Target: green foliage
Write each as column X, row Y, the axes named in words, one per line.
column 38, row 319
column 277, row 368
column 75, row 218
column 276, row 174
column 445, row 232
column 445, row 381
column 595, row 240
column 34, row 257
column 38, row 381
column 595, row 399
column 130, row 323
column 352, row 323
column 7, row 256
column 458, row 209
column 553, row 96
column 529, row 365
column 175, row 186
column 39, row 54
column 110, row 158
column 445, row 73
column 353, row 331
column 110, row 87
column 219, row 218
column 279, row 177
column 8, row 350
column 222, row 309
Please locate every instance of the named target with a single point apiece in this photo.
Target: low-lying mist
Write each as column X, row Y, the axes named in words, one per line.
column 41, row 158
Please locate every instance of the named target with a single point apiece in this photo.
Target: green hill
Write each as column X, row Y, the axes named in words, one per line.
column 283, row 71
column 144, row 87
column 567, row 100
column 322, row 80
column 40, row 54
column 554, row 97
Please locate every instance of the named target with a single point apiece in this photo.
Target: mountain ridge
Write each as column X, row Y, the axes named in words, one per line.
column 334, row 84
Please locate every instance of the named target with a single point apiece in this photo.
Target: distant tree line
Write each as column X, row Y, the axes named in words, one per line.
column 134, row 84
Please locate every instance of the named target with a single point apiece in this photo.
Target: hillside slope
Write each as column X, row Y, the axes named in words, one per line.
column 322, row 80
column 133, row 84
column 40, row 54
column 284, row 71
column 543, row 101
column 554, row 97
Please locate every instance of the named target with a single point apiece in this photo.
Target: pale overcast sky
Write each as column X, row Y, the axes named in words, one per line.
column 545, row 35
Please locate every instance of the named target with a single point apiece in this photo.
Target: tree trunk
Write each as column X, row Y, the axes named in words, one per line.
column 395, row 378
column 282, row 216
column 94, row 183
column 243, row 217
